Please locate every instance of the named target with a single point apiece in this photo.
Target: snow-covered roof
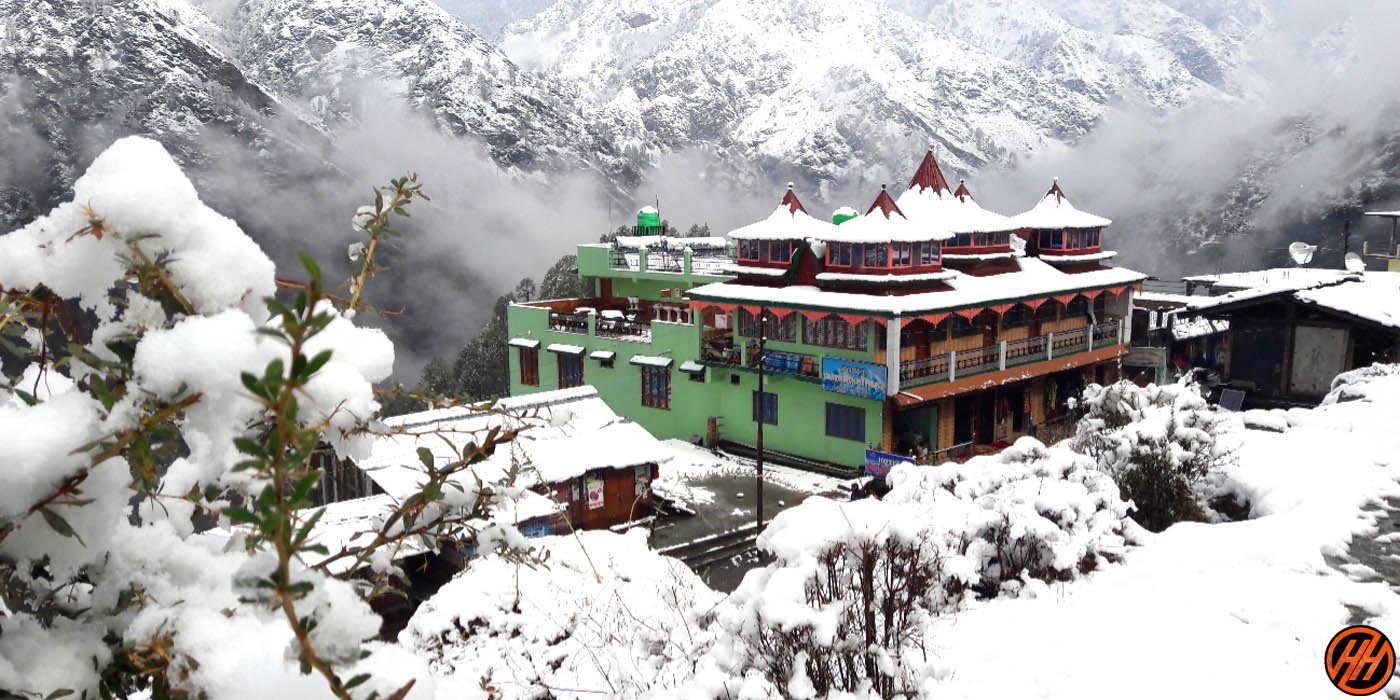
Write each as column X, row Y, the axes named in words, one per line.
column 1373, row 296
column 887, row 279
column 672, row 242
column 1276, row 277
column 1082, row 258
column 1055, row 211
column 885, row 222
column 602, row 354
column 790, row 221
column 563, row 434
column 651, row 360
column 523, row 343
column 952, row 212
column 566, row 349
column 1033, row 278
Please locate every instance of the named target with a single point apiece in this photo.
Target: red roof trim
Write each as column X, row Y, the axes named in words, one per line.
column 791, row 201
column 885, row 203
column 1055, row 190
column 929, row 176
column 962, row 193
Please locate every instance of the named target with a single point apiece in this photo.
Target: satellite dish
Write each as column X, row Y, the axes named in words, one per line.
column 1354, row 263
column 1301, row 252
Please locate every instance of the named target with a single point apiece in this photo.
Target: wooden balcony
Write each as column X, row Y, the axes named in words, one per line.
column 958, row 364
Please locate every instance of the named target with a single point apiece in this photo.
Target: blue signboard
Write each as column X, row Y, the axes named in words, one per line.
column 859, row 379
column 879, row 463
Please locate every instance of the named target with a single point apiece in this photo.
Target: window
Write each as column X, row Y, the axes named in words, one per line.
column 656, row 387
column 962, row 240
column 1018, row 315
column 340, row 479
column 876, row 255
column 836, row 333
column 779, row 251
column 1077, row 306
column 838, row 254
column 845, row 422
column 901, row 255
column 746, row 250
column 570, row 370
column 530, row 366
column 963, row 327
column 784, row 330
column 1057, row 239
column 928, row 254
column 766, row 405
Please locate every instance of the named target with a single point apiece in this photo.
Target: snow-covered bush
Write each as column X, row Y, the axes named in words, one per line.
column 147, row 361
column 604, row 615
column 1159, row 443
column 848, row 601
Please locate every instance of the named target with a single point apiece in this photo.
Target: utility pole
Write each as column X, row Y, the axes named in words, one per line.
column 761, row 407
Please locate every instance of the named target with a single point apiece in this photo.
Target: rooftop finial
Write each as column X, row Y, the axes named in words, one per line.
column 882, row 186
column 789, row 185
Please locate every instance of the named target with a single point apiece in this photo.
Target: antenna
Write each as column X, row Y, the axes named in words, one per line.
column 1354, row 263
column 1302, row 253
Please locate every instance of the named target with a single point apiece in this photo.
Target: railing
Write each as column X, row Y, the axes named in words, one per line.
column 793, row 363
column 976, row 360
column 960, row 452
column 1026, row 350
column 568, row 322
column 1070, row 341
column 622, row 328
column 1105, row 334
column 951, row 366
column 928, row 369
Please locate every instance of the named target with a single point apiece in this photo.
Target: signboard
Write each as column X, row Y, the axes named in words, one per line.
column 642, row 475
column 1141, row 356
column 595, row 493
column 879, row 463
column 859, row 379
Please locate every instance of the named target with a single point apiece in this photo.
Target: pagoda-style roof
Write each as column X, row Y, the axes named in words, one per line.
column 952, row 211
column 962, row 193
column 791, row 201
column 929, row 176
column 885, row 203
column 789, row 221
column 1055, row 211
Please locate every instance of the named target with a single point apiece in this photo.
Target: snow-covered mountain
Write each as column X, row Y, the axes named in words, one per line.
column 836, row 90
column 335, row 55
column 75, row 75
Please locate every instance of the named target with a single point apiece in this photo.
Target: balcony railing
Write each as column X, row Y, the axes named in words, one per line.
column 622, row 328
column 957, row 364
column 565, row 322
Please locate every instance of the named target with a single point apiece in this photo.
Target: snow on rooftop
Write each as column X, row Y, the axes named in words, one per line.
column 944, row 211
column 785, row 223
column 672, row 242
column 1085, row 257
column 1054, row 211
column 563, row 434
column 1034, row 278
column 886, row 224
column 1271, row 277
column 1374, row 296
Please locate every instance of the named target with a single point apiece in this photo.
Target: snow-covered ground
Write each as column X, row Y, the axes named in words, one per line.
column 680, row 478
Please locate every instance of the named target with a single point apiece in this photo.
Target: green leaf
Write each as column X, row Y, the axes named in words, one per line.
column 316, row 363
column 425, row 456
column 60, row 525
column 240, row 515
column 60, row 693
column 312, row 269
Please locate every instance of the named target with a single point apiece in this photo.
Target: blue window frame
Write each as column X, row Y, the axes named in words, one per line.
column 570, row 370
column 765, row 404
column 845, row 422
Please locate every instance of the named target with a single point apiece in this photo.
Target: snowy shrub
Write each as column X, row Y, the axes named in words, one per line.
column 1159, row 443
column 152, row 382
column 847, row 604
column 604, row 615
column 1357, row 384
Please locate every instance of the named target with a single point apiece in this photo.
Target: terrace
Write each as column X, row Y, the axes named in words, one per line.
column 953, row 365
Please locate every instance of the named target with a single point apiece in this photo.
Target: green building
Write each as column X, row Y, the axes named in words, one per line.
column 927, row 329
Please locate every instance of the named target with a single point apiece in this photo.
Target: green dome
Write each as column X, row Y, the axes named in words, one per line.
column 842, row 215
column 648, row 221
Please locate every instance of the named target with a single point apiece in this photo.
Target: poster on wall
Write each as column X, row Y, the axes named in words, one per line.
column 859, row 379
column 642, row 479
column 595, row 493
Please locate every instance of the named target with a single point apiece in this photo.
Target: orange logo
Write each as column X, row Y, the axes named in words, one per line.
column 1360, row 660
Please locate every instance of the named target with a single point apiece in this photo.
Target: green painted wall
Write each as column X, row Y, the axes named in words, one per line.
column 801, row 428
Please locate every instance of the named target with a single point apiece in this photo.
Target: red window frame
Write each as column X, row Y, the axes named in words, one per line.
column 530, row 366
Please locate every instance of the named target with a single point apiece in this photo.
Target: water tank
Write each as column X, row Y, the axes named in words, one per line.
column 648, row 222
column 842, row 215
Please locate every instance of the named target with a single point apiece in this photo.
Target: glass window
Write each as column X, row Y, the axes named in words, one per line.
column 834, row 332
column 656, row 387
column 1018, row 315
column 530, row 366
column 1057, row 239
column 784, row 329
column 1077, row 306
column 570, row 370
column 876, row 255
column 929, row 256
column 765, row 405
column 963, row 327
column 846, row 422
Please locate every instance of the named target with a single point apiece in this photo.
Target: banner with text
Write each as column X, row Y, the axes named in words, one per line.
column 879, row 463
column 859, row 379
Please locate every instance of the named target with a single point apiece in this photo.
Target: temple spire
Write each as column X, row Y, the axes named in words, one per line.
column 791, row 201
column 962, row 193
column 1055, row 190
column 885, row 203
column 929, row 176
